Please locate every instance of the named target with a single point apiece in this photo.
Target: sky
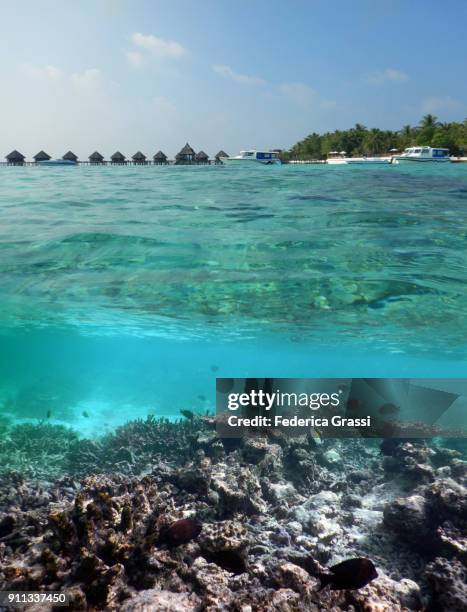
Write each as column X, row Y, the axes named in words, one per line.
column 148, row 75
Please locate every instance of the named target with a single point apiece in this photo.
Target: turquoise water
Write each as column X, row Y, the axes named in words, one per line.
column 125, row 291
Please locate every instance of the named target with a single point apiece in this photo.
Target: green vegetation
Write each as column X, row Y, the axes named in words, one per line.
column 361, row 140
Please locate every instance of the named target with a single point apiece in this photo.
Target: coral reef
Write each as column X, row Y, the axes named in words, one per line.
column 38, row 450
column 448, row 580
column 45, row 450
column 166, row 516
column 136, row 446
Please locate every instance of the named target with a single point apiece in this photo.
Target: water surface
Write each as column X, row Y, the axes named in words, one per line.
column 127, row 289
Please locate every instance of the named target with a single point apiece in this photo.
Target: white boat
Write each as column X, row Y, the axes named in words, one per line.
column 336, row 158
column 423, row 154
column 262, row 157
column 57, row 162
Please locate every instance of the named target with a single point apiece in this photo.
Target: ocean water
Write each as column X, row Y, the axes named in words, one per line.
column 125, row 291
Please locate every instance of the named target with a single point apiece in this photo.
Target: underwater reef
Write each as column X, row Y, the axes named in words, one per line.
column 168, row 517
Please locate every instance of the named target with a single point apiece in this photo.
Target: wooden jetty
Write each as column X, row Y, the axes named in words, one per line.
column 186, row 156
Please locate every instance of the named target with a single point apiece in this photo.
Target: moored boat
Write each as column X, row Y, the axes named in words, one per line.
column 423, row 154
column 336, row 158
column 262, row 157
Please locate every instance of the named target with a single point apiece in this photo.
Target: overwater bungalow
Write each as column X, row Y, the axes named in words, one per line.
column 96, row 158
column 70, row 156
column 139, row 158
column 15, row 158
column 160, row 158
column 202, row 158
column 185, row 156
column 118, row 158
column 41, row 156
column 219, row 155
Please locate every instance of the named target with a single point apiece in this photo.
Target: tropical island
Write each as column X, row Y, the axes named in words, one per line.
column 361, row 140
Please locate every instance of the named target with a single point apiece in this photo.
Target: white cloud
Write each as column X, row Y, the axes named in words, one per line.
column 42, row 72
column 388, row 75
column 306, row 97
column 434, row 104
column 158, row 46
column 90, row 80
column 226, row 71
column 135, row 58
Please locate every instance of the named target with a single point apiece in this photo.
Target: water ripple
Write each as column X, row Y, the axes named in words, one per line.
column 369, row 252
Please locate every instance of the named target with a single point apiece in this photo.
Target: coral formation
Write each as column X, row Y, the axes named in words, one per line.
column 166, row 516
column 39, row 450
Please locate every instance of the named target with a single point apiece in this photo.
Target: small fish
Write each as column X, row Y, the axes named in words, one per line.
column 388, row 409
column 202, row 398
column 49, row 414
column 85, row 414
column 214, row 368
column 350, row 574
column 180, row 532
column 188, row 414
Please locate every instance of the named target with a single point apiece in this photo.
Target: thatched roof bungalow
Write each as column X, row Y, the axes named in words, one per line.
column 41, row 156
column 219, row 155
column 201, row 157
column 16, row 158
column 96, row 158
column 139, row 158
column 185, row 156
column 118, row 158
column 160, row 158
column 70, row 156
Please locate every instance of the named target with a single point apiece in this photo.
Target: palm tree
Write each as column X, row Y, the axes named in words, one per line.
column 407, row 135
column 429, row 121
column 428, row 126
column 406, row 130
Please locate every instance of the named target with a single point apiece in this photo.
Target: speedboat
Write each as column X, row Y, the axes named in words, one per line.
column 262, row 157
column 335, row 158
column 423, row 154
column 57, row 162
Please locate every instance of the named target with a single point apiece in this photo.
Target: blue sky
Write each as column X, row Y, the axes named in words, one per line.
column 148, row 75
